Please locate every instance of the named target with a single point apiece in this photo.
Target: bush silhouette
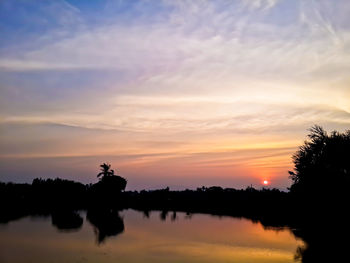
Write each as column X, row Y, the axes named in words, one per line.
column 322, row 164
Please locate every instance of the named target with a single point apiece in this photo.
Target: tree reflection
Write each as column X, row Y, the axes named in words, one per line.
column 66, row 220
column 324, row 230
column 146, row 214
column 106, row 222
column 326, row 240
column 163, row 215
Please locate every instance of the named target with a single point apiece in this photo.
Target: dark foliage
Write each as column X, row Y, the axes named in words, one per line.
column 14, row 200
column 105, row 170
column 322, row 164
column 216, row 200
column 107, row 191
column 57, row 194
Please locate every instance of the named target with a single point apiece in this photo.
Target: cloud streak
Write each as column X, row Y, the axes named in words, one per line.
column 165, row 82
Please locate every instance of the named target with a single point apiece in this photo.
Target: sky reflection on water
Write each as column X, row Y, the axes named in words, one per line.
column 196, row 238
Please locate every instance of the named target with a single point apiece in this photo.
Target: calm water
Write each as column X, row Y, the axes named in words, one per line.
column 180, row 238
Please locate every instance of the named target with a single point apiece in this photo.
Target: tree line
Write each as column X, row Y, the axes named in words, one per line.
column 321, row 176
column 315, row 207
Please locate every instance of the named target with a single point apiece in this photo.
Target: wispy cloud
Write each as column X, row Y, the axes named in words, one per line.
column 263, row 4
column 205, row 76
column 211, row 38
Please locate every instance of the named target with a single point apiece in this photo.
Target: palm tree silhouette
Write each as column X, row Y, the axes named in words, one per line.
column 105, row 170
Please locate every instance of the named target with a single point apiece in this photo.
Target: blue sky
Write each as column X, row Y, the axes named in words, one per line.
column 177, row 93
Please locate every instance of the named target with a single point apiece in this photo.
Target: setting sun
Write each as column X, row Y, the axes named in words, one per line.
column 265, row 182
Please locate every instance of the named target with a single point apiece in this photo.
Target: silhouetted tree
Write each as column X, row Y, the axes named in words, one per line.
column 108, row 176
column 322, row 164
column 105, row 170
column 53, row 193
column 107, row 191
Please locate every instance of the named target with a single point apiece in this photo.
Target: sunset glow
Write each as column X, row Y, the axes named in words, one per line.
column 265, row 182
column 171, row 93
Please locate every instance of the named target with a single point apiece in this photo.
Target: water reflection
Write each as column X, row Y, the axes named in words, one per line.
column 106, row 222
column 66, row 220
column 146, row 213
column 163, row 215
column 325, row 240
column 157, row 236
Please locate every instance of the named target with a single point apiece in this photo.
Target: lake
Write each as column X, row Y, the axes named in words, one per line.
column 154, row 237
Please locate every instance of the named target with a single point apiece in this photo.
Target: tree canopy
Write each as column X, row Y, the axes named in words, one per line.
column 107, row 191
column 105, row 169
column 322, row 163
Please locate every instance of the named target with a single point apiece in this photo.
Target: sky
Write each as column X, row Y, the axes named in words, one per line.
column 170, row 93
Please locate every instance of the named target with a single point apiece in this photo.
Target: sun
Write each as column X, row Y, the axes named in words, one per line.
column 265, row 182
